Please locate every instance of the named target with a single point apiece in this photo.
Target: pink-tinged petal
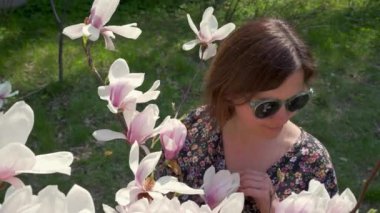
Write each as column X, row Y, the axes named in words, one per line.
column 104, row 9
column 118, row 92
column 108, row 41
column 142, row 126
column 149, row 95
column 172, row 136
column 209, row 52
column 168, row 184
column 134, row 158
column 190, row 45
column 127, row 31
column 146, row 167
column 14, row 181
column 219, row 185
column 57, row 162
column 107, row 135
column 16, row 124
column 79, row 200
column 223, row 32
column 192, row 25
column 74, row 31
column 205, row 34
column 190, row 207
column 15, row 157
column 130, row 110
column 91, row 32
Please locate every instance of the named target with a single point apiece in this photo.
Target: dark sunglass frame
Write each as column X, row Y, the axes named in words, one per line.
column 255, row 104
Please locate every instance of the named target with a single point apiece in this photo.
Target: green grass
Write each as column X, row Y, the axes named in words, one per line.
column 345, row 115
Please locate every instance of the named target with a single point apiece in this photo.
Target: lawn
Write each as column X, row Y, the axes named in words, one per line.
column 345, row 113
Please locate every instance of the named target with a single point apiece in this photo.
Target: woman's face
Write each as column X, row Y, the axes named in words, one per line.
column 271, row 126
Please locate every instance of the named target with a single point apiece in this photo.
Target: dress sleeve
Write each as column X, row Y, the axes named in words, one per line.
column 324, row 170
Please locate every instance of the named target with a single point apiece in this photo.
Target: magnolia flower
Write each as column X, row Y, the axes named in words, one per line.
column 172, row 136
column 140, row 127
column 6, row 92
column 316, row 200
column 49, row 199
column 93, row 26
column 15, row 158
column 218, row 186
column 207, row 34
column 144, row 185
column 120, row 93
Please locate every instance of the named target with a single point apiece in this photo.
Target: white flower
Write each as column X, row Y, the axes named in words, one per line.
column 49, row 199
column 101, row 12
column 316, row 200
column 120, row 93
column 207, row 34
column 146, row 185
column 6, row 92
column 15, row 158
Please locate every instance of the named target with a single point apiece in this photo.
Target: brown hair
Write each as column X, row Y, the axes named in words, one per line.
column 258, row 56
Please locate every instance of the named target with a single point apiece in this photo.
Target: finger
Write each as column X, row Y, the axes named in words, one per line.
column 254, row 172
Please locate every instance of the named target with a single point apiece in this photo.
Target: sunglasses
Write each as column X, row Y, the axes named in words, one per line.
column 268, row 107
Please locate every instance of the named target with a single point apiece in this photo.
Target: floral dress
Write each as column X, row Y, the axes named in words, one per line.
column 307, row 159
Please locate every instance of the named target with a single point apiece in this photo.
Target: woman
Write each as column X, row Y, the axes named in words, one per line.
column 257, row 82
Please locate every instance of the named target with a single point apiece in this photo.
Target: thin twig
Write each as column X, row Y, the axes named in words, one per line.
column 90, row 62
column 60, row 41
column 366, row 184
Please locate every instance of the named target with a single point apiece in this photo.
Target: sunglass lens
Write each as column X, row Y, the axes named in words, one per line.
column 267, row 109
column 297, row 102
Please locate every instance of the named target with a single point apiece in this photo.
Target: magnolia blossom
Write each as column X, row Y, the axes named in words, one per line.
column 140, row 127
column 93, row 26
column 172, row 136
column 207, row 34
column 232, row 203
column 120, row 93
column 49, row 199
column 316, row 200
column 144, row 185
column 15, row 158
column 218, row 186
column 6, row 92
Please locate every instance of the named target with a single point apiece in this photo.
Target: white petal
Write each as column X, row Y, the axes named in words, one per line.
column 120, row 69
column 79, row 199
column 74, row 31
column 107, row 135
column 17, row 199
column 127, row 31
column 190, row 45
column 192, row 25
column 57, row 162
column 209, row 52
column 207, row 14
column 91, row 32
column 223, row 32
column 151, row 94
column 108, row 209
column 234, row 203
column 109, row 43
column 146, row 166
column 5, row 89
column 16, row 124
column 134, row 157
column 104, row 92
column 167, row 184
column 15, row 157
column 50, row 199
column 104, row 10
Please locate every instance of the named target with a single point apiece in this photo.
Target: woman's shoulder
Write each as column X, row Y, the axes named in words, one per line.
column 312, row 150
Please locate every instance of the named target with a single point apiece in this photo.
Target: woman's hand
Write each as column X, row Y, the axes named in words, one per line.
column 259, row 186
